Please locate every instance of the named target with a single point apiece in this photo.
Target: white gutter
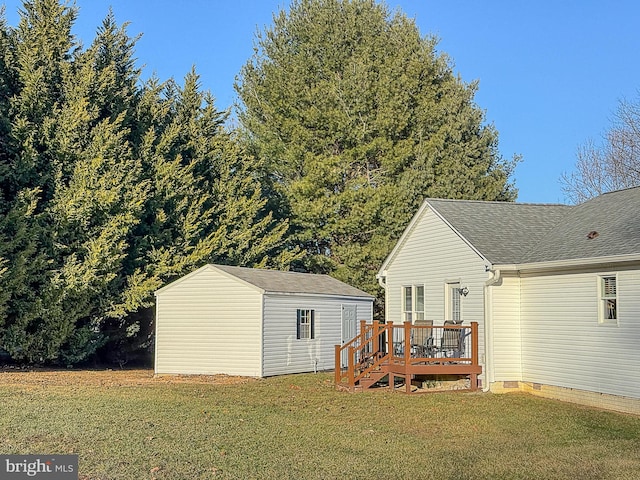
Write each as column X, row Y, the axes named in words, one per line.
column 488, row 332
column 568, row 263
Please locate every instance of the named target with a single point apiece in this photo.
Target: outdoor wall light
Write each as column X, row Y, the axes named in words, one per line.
column 464, row 291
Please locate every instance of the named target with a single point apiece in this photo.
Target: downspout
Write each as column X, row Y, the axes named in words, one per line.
column 488, row 336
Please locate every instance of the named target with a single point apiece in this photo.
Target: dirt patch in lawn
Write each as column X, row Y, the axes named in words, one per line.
column 107, row 378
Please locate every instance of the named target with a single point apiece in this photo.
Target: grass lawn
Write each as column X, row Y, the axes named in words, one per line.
column 128, row 425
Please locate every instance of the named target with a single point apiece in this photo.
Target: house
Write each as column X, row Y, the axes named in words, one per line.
column 251, row 322
column 555, row 290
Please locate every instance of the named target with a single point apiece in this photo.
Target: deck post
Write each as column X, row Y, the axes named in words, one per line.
column 407, row 343
column 375, row 339
column 338, row 366
column 351, row 369
column 474, row 354
column 473, row 382
column 407, row 356
column 474, row 343
column 389, row 327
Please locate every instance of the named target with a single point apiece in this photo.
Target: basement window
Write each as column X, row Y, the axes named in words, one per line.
column 305, row 324
column 608, row 300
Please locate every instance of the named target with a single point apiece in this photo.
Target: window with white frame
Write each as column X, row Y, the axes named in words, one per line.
column 418, row 308
column 608, row 299
column 413, row 303
column 453, row 310
column 305, row 324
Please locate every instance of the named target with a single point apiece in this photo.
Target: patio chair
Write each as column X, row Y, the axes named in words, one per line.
column 452, row 343
column 422, row 343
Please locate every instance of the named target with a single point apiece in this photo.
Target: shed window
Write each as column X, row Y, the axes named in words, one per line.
column 413, row 303
column 305, row 324
column 608, row 299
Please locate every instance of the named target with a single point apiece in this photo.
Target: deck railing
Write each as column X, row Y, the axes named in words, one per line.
column 408, row 349
column 428, row 343
column 362, row 354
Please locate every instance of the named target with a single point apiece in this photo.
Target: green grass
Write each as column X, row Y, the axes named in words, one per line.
column 299, row 427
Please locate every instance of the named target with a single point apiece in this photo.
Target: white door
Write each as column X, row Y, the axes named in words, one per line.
column 349, row 329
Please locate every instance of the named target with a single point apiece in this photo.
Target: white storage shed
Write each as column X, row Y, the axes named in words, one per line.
column 253, row 322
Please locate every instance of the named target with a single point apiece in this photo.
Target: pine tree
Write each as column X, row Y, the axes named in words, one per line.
column 358, row 119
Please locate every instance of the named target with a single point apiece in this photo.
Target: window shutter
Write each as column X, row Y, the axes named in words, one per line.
column 298, row 325
column 313, row 324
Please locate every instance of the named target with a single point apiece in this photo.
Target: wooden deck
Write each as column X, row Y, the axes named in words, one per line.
column 384, row 352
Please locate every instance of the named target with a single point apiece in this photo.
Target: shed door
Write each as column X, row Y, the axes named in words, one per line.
column 348, row 328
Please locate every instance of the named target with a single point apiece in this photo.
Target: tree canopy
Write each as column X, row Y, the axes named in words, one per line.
column 357, row 118
column 111, row 187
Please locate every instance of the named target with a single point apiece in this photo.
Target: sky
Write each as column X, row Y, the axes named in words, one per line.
column 551, row 72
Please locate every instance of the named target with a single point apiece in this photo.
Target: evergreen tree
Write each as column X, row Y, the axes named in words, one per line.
column 36, row 57
column 110, row 189
column 358, row 119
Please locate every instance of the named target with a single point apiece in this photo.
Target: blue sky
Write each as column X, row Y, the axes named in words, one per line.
column 551, row 72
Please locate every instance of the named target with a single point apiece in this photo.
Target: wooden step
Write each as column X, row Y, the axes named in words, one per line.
column 372, row 379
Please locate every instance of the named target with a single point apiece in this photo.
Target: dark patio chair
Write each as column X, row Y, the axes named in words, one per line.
column 422, row 342
column 452, row 343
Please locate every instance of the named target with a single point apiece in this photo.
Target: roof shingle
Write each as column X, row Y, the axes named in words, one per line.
column 508, row 233
column 275, row 281
column 501, row 231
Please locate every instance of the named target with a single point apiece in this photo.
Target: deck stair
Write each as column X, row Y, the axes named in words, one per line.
column 381, row 352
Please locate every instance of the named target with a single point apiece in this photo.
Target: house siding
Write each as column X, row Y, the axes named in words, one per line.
column 208, row 323
column 564, row 345
column 543, row 327
column 505, row 329
column 432, row 255
column 283, row 353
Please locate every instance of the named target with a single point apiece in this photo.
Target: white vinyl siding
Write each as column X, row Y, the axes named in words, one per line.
column 432, row 255
column 505, row 329
column 210, row 322
column 564, row 345
column 198, row 332
column 283, row 353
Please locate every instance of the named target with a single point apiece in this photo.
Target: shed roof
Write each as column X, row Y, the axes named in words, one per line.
column 275, row 281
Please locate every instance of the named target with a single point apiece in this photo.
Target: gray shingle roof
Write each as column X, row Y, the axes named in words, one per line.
column 507, row 233
column 275, row 281
column 615, row 216
column 501, row 231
